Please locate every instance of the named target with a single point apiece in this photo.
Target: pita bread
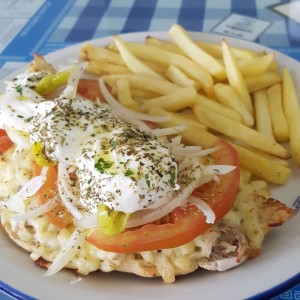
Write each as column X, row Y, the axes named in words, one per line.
column 225, row 245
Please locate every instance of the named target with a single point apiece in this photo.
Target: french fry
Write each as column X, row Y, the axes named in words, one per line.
column 262, row 115
column 217, row 81
column 274, row 67
column 91, row 53
column 264, row 168
column 292, row 113
column 262, row 81
column 124, row 94
column 239, row 132
column 151, row 41
column 273, row 159
column 166, row 87
column 158, row 68
column 235, row 77
column 105, row 68
column 147, row 83
column 196, row 53
column 228, row 97
column 133, row 63
column 167, row 58
column 218, row 108
column 256, row 66
column 216, row 51
column 149, row 53
column 195, row 134
column 178, row 100
column 175, row 75
column 143, row 94
column 101, row 59
column 278, row 119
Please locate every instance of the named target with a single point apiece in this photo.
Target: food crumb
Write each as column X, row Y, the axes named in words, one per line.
column 75, row 279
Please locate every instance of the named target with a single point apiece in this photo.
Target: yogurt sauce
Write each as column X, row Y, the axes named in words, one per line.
column 116, row 163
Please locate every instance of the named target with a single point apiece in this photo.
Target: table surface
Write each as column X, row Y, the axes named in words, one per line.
column 43, row 26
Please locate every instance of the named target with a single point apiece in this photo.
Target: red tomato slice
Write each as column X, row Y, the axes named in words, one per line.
column 5, row 142
column 59, row 215
column 220, row 195
column 89, row 89
column 184, row 224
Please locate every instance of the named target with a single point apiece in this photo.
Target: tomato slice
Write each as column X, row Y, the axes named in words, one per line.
column 59, row 215
column 5, row 142
column 220, row 195
column 184, row 224
column 89, row 89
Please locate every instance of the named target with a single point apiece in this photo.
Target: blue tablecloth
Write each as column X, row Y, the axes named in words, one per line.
column 44, row 26
column 57, row 24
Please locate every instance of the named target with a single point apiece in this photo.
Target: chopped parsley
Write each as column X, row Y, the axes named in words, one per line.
column 101, row 165
column 29, row 119
column 113, row 144
column 19, row 89
column 128, row 173
column 172, row 178
column 147, row 180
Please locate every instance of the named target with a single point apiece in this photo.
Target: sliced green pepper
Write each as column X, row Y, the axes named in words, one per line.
column 111, row 222
column 39, row 156
column 51, row 82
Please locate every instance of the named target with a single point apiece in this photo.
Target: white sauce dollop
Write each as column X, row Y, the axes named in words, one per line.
column 116, row 163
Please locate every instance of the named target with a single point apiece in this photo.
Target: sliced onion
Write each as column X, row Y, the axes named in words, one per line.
column 193, row 151
column 175, row 141
column 44, row 208
column 168, row 131
column 66, row 195
column 75, row 280
column 89, row 221
column 186, row 150
column 130, row 113
column 138, row 123
column 19, row 138
column 186, row 163
column 71, row 89
column 68, row 251
column 33, row 185
column 204, row 207
column 218, row 169
column 205, row 152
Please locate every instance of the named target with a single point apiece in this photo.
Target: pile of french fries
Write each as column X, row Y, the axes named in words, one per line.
column 212, row 89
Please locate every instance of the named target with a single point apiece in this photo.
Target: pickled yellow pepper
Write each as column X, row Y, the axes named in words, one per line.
column 111, row 222
column 39, row 156
column 51, row 82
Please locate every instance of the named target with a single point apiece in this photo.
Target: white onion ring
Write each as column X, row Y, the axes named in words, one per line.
column 40, row 210
column 204, row 207
column 33, row 185
column 64, row 188
column 168, row 130
column 68, row 251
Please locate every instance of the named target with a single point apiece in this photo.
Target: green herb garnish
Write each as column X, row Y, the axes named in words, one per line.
column 128, row 173
column 172, row 179
column 147, row 180
column 19, row 90
column 101, row 165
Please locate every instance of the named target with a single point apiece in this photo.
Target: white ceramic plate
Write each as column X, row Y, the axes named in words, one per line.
column 278, row 262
